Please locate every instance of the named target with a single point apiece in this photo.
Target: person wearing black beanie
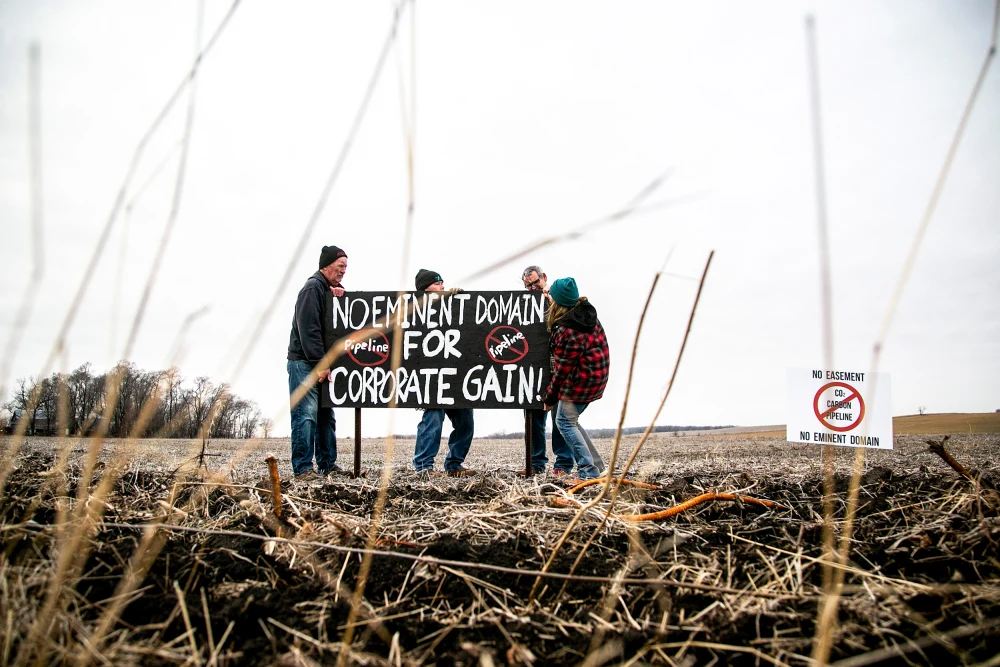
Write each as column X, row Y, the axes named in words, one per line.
column 330, row 254
column 426, row 278
column 313, row 424
column 429, row 430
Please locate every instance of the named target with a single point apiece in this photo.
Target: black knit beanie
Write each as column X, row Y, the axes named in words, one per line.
column 426, row 278
column 330, row 254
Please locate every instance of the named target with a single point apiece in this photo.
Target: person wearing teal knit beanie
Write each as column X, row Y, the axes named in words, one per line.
column 564, row 292
column 581, row 363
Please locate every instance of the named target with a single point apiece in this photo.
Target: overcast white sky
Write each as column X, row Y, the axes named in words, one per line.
column 531, row 120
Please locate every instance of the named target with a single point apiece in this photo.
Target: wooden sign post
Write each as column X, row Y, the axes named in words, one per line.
column 357, row 443
column 528, row 470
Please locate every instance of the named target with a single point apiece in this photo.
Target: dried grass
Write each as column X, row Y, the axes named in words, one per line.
column 226, row 581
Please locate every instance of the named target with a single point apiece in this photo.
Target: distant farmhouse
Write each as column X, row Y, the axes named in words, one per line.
column 42, row 424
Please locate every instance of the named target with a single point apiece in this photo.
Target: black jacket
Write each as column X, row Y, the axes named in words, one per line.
column 311, row 335
column 312, row 328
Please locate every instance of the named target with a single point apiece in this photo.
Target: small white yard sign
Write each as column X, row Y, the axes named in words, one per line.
column 841, row 407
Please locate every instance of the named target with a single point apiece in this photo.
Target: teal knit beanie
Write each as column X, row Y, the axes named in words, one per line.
column 564, row 292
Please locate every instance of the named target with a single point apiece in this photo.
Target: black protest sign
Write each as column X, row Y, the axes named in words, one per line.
column 466, row 350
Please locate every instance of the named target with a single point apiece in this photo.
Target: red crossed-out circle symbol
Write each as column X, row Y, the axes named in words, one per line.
column 372, row 350
column 840, row 403
column 506, row 345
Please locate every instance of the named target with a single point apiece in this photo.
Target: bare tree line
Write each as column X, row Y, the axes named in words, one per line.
column 79, row 401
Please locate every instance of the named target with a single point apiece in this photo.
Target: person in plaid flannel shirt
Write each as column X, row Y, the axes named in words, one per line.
column 581, row 362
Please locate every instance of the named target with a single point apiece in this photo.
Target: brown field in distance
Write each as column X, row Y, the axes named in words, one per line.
column 937, row 424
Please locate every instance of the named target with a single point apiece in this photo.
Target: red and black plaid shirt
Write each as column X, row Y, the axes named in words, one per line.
column 581, row 364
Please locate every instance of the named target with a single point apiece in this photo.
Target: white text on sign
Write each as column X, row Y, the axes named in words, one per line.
column 433, row 310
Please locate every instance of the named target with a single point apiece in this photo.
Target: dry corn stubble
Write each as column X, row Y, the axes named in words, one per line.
column 745, row 578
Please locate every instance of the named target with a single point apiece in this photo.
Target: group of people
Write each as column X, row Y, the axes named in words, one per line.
column 580, row 364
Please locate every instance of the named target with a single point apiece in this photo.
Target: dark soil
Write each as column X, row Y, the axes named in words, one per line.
column 904, row 530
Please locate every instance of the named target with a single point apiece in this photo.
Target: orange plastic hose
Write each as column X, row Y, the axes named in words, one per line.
column 697, row 500
column 601, row 480
column 399, row 543
column 676, row 509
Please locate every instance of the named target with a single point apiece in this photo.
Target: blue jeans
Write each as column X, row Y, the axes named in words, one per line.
column 313, row 428
column 429, row 439
column 562, row 452
column 589, row 463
